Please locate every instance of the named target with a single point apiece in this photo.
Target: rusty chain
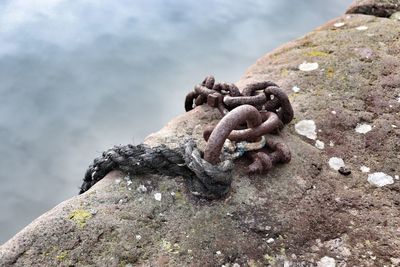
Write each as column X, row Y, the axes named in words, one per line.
column 249, row 119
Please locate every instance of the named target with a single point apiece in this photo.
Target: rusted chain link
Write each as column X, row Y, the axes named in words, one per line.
column 261, row 108
column 249, row 119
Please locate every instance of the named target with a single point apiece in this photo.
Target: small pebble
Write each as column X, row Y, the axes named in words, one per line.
column 362, row 28
column 157, row 196
column 270, row 240
column 394, row 126
column 138, row 237
column 364, row 169
column 363, row 128
column 117, row 181
column 380, row 179
column 142, row 188
column 306, row 128
column 336, row 163
column 326, row 262
column 395, row 16
column 308, row 66
column 333, row 112
column 339, row 24
column 319, row 144
column 331, row 143
column 396, row 177
column 218, row 252
column 344, row 171
column 295, row 89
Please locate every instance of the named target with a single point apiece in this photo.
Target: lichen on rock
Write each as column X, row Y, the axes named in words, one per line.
column 312, row 213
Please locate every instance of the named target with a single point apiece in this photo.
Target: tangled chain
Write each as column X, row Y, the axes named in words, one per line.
column 249, row 118
column 261, row 108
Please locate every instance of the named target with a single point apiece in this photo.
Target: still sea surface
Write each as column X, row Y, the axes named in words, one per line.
column 77, row 77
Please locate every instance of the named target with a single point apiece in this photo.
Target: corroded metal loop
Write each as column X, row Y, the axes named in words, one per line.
column 190, row 97
column 203, row 90
column 209, row 82
column 227, row 88
column 253, row 87
column 260, row 110
column 285, row 111
column 270, row 123
column 200, row 100
column 256, row 100
column 242, row 114
column 264, row 161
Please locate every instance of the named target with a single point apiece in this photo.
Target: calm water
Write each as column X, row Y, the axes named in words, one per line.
column 77, row 78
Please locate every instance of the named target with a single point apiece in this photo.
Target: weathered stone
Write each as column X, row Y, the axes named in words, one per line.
column 309, row 210
column 379, row 8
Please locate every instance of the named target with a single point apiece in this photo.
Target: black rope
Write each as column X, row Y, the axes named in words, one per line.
column 203, row 178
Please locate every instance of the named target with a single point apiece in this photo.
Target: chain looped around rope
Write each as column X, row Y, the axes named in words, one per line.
column 249, row 119
column 262, row 108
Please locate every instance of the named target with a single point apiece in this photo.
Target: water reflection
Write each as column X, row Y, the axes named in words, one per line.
column 77, row 78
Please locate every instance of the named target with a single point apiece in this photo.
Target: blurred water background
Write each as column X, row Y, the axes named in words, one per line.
column 77, row 77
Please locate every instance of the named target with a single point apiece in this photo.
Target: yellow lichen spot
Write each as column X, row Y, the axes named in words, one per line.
column 269, row 259
column 80, row 217
column 167, row 246
column 180, row 198
column 316, row 53
column 252, row 263
column 62, row 255
column 284, row 72
column 329, row 72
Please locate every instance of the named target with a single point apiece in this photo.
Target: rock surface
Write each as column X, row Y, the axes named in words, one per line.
column 299, row 214
column 379, row 8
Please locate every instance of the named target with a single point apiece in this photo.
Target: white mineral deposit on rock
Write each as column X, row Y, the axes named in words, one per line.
column 326, row 262
column 295, row 89
column 157, row 196
column 319, row 144
column 308, row 66
column 142, row 188
column 395, row 261
column 362, row 28
column 331, row 143
column 363, row 128
column 336, row 163
column 380, row 179
column 138, row 237
column 270, row 240
column 306, row 128
column 333, row 112
column 218, row 252
column 117, row 181
column 339, row 24
column 364, row 168
column 396, row 177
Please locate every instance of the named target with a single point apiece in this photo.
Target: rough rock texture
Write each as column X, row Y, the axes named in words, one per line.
column 300, row 214
column 379, row 8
